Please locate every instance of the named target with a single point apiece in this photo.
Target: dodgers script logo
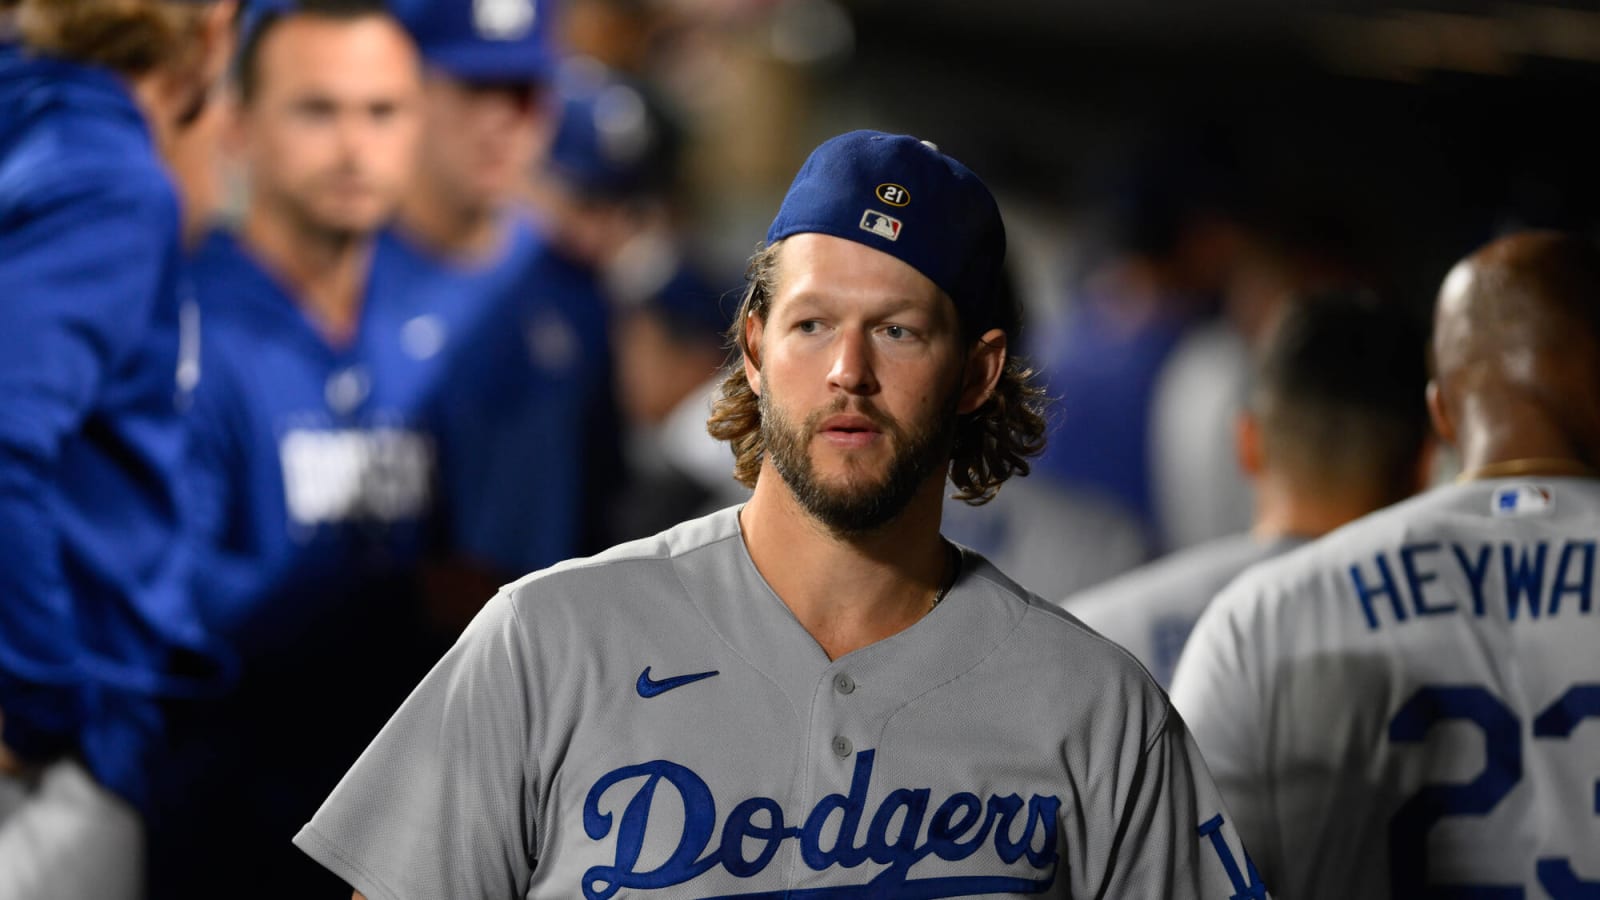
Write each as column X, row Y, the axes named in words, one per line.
column 963, row 825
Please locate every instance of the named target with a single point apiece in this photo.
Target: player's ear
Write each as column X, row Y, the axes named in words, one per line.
column 1247, row 445
column 985, row 364
column 751, row 359
column 1439, row 412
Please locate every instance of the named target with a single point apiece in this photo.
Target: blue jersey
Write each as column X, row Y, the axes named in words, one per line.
column 95, row 618
column 529, row 434
column 313, row 478
column 313, row 464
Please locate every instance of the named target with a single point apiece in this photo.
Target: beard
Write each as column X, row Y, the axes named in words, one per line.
column 861, row 504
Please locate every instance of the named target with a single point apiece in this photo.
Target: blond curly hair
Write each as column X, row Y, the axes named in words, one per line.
column 132, row 37
column 992, row 443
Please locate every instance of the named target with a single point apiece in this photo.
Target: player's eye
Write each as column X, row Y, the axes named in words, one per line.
column 315, row 110
column 896, row 332
column 808, row 326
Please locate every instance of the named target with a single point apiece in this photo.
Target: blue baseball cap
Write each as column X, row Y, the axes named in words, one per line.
column 691, row 307
column 498, row 41
column 904, row 197
column 613, row 141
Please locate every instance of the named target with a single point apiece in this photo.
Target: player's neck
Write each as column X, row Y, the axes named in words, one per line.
column 1516, row 442
column 325, row 271
column 161, row 97
column 852, row 591
column 1290, row 507
column 463, row 233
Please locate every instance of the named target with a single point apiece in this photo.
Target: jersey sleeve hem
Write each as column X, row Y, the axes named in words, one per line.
column 333, row 858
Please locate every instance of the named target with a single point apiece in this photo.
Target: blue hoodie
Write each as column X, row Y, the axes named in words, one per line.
column 97, row 358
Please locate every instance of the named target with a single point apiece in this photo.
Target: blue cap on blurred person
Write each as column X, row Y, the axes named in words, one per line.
column 483, row 41
column 904, row 197
column 613, row 141
column 252, row 13
column 691, row 307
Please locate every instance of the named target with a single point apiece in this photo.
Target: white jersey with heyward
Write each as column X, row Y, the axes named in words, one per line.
column 1401, row 709
column 654, row 722
column 1152, row 609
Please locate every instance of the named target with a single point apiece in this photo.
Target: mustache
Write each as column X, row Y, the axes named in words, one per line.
column 843, row 406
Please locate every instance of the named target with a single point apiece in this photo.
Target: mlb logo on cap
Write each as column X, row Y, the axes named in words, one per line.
column 881, row 224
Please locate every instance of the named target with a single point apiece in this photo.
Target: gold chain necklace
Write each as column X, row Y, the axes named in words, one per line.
column 952, row 558
column 1537, row 465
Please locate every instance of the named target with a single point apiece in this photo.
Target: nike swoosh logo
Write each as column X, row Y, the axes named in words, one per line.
column 649, row 687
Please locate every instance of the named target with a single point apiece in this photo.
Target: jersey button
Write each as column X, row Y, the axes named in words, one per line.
column 844, row 684
column 842, row 747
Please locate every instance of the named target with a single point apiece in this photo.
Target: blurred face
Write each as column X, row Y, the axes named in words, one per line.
column 195, row 160
column 861, row 377
column 331, row 134
column 481, row 140
column 655, row 369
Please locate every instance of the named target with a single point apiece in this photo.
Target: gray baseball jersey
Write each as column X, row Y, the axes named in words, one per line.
column 1400, row 710
column 1050, row 539
column 1152, row 609
column 655, row 722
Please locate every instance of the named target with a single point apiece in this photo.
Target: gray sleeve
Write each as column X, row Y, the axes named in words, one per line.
column 441, row 803
column 1175, row 839
column 1217, row 687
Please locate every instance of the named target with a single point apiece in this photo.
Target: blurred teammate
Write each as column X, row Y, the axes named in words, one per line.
column 604, row 198
column 1337, row 426
column 97, row 359
column 529, row 443
column 670, row 356
column 312, row 465
column 1402, row 709
column 813, row 694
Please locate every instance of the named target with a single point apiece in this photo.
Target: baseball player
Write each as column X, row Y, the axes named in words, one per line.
column 312, row 462
column 1401, row 708
column 812, row 694
column 96, row 362
column 528, row 423
column 1325, row 441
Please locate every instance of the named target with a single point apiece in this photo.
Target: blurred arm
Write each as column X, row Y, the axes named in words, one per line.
column 82, row 257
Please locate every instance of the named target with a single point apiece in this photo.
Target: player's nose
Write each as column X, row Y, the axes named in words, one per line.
column 852, row 371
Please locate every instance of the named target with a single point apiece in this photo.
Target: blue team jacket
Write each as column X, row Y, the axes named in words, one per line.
column 529, row 443
column 97, row 356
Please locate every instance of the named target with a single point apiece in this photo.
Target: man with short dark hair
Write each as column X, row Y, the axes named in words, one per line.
column 1402, row 708
column 813, row 694
column 1336, row 427
column 311, row 458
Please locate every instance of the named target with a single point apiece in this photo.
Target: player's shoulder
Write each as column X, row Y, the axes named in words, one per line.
column 240, row 301
column 1311, row 575
column 1056, row 645
column 715, row 533
column 1173, row 575
column 73, row 132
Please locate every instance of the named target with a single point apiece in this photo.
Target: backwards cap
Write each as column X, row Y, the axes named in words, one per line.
column 498, row 41
column 904, row 197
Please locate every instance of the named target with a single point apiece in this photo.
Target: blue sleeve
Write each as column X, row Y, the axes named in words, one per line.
column 81, row 262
